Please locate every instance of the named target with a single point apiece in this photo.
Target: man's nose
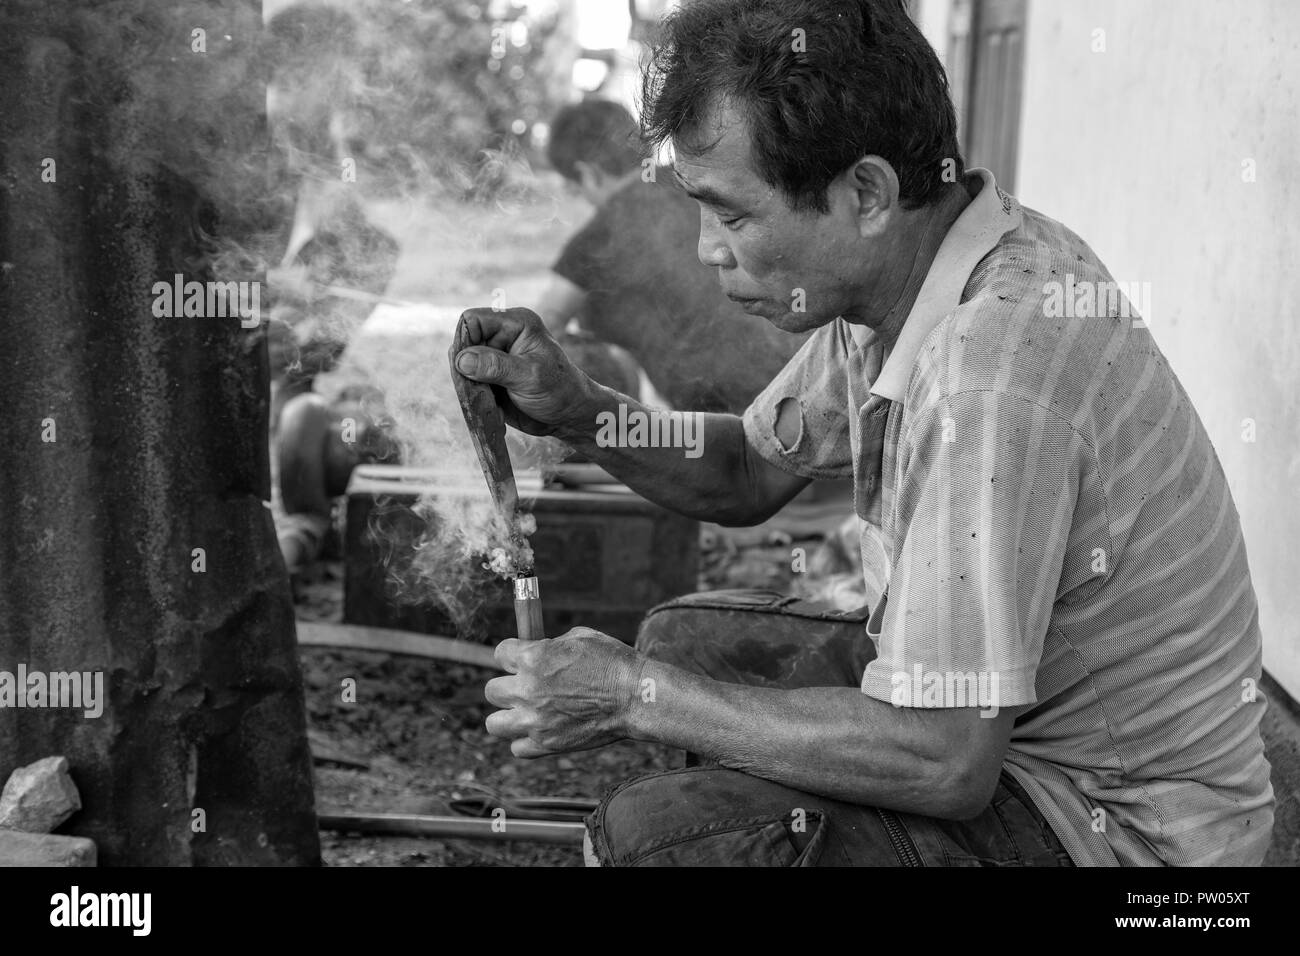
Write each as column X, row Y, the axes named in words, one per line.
column 713, row 250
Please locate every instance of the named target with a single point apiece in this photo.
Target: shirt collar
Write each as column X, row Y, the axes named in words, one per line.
column 990, row 216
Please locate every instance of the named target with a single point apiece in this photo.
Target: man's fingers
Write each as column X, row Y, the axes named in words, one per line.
column 502, row 691
column 509, row 724
column 507, row 655
column 580, row 632
column 482, row 324
column 513, row 725
column 527, row 748
column 497, row 329
column 484, row 364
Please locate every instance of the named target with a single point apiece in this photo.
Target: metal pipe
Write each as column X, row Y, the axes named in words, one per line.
column 461, row 828
column 358, row 638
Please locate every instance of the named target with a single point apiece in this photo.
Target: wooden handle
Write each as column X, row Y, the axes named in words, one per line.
column 487, row 428
column 528, row 610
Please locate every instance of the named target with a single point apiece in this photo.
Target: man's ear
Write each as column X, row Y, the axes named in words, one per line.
column 875, row 187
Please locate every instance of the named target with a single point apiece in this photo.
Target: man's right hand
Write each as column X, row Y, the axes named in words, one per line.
column 546, row 392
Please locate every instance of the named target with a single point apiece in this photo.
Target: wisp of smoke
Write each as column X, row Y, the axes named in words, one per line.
column 447, row 563
column 261, row 118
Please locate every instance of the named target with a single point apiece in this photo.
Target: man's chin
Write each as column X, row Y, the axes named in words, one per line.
column 781, row 317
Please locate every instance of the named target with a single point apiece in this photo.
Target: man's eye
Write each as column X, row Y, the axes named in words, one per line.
column 732, row 224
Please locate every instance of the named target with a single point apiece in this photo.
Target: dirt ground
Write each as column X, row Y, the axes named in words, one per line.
column 419, row 726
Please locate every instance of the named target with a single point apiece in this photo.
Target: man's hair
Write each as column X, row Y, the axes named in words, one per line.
column 821, row 84
column 600, row 132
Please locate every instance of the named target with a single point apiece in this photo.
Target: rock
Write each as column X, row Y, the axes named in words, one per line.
column 39, row 797
column 45, row 849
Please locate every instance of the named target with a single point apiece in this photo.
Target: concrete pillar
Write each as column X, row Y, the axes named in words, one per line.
column 128, row 441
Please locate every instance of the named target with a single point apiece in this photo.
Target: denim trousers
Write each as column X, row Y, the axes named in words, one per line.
column 706, row 815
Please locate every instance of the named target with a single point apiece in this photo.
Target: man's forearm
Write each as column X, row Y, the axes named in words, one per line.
column 833, row 741
column 715, row 486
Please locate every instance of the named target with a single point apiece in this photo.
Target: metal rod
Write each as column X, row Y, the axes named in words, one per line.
column 356, row 637
column 463, row 828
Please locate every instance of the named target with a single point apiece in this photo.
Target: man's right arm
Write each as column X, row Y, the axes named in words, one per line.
column 546, row 395
column 728, row 483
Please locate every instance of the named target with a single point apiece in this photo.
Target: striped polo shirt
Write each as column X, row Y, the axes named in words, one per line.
column 1044, row 517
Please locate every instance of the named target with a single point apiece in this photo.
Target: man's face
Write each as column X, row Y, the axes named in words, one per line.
column 797, row 269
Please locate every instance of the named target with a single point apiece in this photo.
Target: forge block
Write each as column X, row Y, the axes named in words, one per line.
column 604, row 558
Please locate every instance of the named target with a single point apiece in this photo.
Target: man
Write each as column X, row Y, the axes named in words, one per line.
column 631, row 278
column 1062, row 660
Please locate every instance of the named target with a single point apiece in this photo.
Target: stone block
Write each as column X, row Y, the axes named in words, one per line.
column 39, row 797
column 45, row 849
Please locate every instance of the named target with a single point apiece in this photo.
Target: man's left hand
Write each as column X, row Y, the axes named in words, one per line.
column 571, row 693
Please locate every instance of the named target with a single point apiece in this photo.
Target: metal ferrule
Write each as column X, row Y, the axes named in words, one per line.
column 527, row 589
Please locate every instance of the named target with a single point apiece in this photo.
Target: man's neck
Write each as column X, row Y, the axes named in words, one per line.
column 923, row 240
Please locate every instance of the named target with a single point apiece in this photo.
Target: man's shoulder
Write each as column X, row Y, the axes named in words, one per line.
column 1022, row 272
column 1016, row 330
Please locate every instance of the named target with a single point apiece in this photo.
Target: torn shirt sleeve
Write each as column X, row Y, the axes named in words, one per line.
column 800, row 422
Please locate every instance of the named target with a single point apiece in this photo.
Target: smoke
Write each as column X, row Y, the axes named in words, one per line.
column 443, row 563
column 386, row 115
column 325, row 144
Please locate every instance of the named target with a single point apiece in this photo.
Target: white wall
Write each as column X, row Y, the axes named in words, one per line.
column 932, row 17
column 1139, row 149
